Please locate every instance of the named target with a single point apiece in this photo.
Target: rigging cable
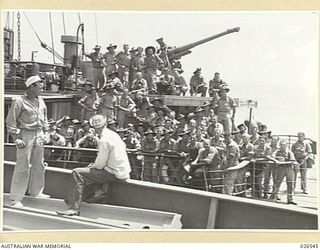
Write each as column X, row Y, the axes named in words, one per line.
column 96, row 26
column 32, row 27
column 64, row 24
column 52, row 41
column 19, row 36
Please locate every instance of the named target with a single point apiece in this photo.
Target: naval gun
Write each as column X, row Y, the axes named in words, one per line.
column 178, row 52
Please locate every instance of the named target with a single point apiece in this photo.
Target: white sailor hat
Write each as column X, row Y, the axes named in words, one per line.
column 31, row 80
column 98, row 121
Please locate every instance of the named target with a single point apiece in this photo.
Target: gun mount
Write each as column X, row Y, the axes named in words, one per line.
column 178, row 52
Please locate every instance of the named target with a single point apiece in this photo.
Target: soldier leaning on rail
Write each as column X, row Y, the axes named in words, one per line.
column 284, row 160
column 133, row 147
column 169, row 172
column 231, row 159
column 150, row 145
column 262, row 153
column 303, row 154
column 269, row 171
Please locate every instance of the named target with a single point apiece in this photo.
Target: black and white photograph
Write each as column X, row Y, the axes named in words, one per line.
column 160, row 120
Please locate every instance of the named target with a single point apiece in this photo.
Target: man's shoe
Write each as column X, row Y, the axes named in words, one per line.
column 103, row 198
column 278, row 199
column 305, row 192
column 292, row 203
column 42, row 196
column 16, row 204
column 265, row 196
column 69, row 212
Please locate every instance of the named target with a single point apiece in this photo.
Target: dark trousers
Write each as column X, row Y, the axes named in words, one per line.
column 84, row 177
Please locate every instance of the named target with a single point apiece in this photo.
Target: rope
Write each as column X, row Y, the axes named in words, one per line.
column 52, row 40
column 96, row 26
column 64, row 24
column 32, row 27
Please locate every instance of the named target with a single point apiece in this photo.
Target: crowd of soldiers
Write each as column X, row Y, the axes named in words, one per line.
column 203, row 149
column 147, row 71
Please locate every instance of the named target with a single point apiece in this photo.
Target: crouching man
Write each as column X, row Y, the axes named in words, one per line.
column 111, row 165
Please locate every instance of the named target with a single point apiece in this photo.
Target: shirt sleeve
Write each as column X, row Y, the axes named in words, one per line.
column 102, row 157
column 12, row 117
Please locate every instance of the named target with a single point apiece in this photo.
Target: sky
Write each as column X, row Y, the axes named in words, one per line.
column 272, row 59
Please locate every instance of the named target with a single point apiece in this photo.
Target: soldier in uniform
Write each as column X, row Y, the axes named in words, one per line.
column 182, row 126
column 137, row 64
column 97, row 59
column 89, row 104
column 150, row 145
column 108, row 102
column 231, row 159
column 213, row 125
column 110, row 61
column 284, row 158
column 262, row 153
column 226, row 110
column 166, row 83
column 123, row 62
column 206, row 166
column 133, row 147
column 167, row 145
column 214, row 85
column 303, row 154
column 198, row 84
column 152, row 63
column 124, row 106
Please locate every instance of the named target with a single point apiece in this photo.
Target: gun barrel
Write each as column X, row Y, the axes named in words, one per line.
column 172, row 52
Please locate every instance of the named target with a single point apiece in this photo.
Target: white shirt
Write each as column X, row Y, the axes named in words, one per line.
column 112, row 155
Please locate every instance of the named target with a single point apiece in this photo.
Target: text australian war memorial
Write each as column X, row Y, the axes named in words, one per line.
column 117, row 137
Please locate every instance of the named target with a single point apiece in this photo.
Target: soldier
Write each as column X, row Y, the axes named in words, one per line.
column 137, row 64
column 182, row 126
column 262, row 153
column 246, row 153
column 208, row 161
column 226, row 110
column 181, row 86
column 167, row 145
column 138, row 85
column 124, row 105
column 285, row 160
column 110, row 61
column 133, row 147
column 213, row 126
column 108, row 102
column 202, row 122
column 231, row 159
column 123, row 62
column 269, row 171
column 97, row 60
column 254, row 139
column 303, row 154
column 150, row 145
column 152, row 63
column 198, row 84
column 165, row 85
column 89, row 104
column 237, row 136
column 215, row 84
